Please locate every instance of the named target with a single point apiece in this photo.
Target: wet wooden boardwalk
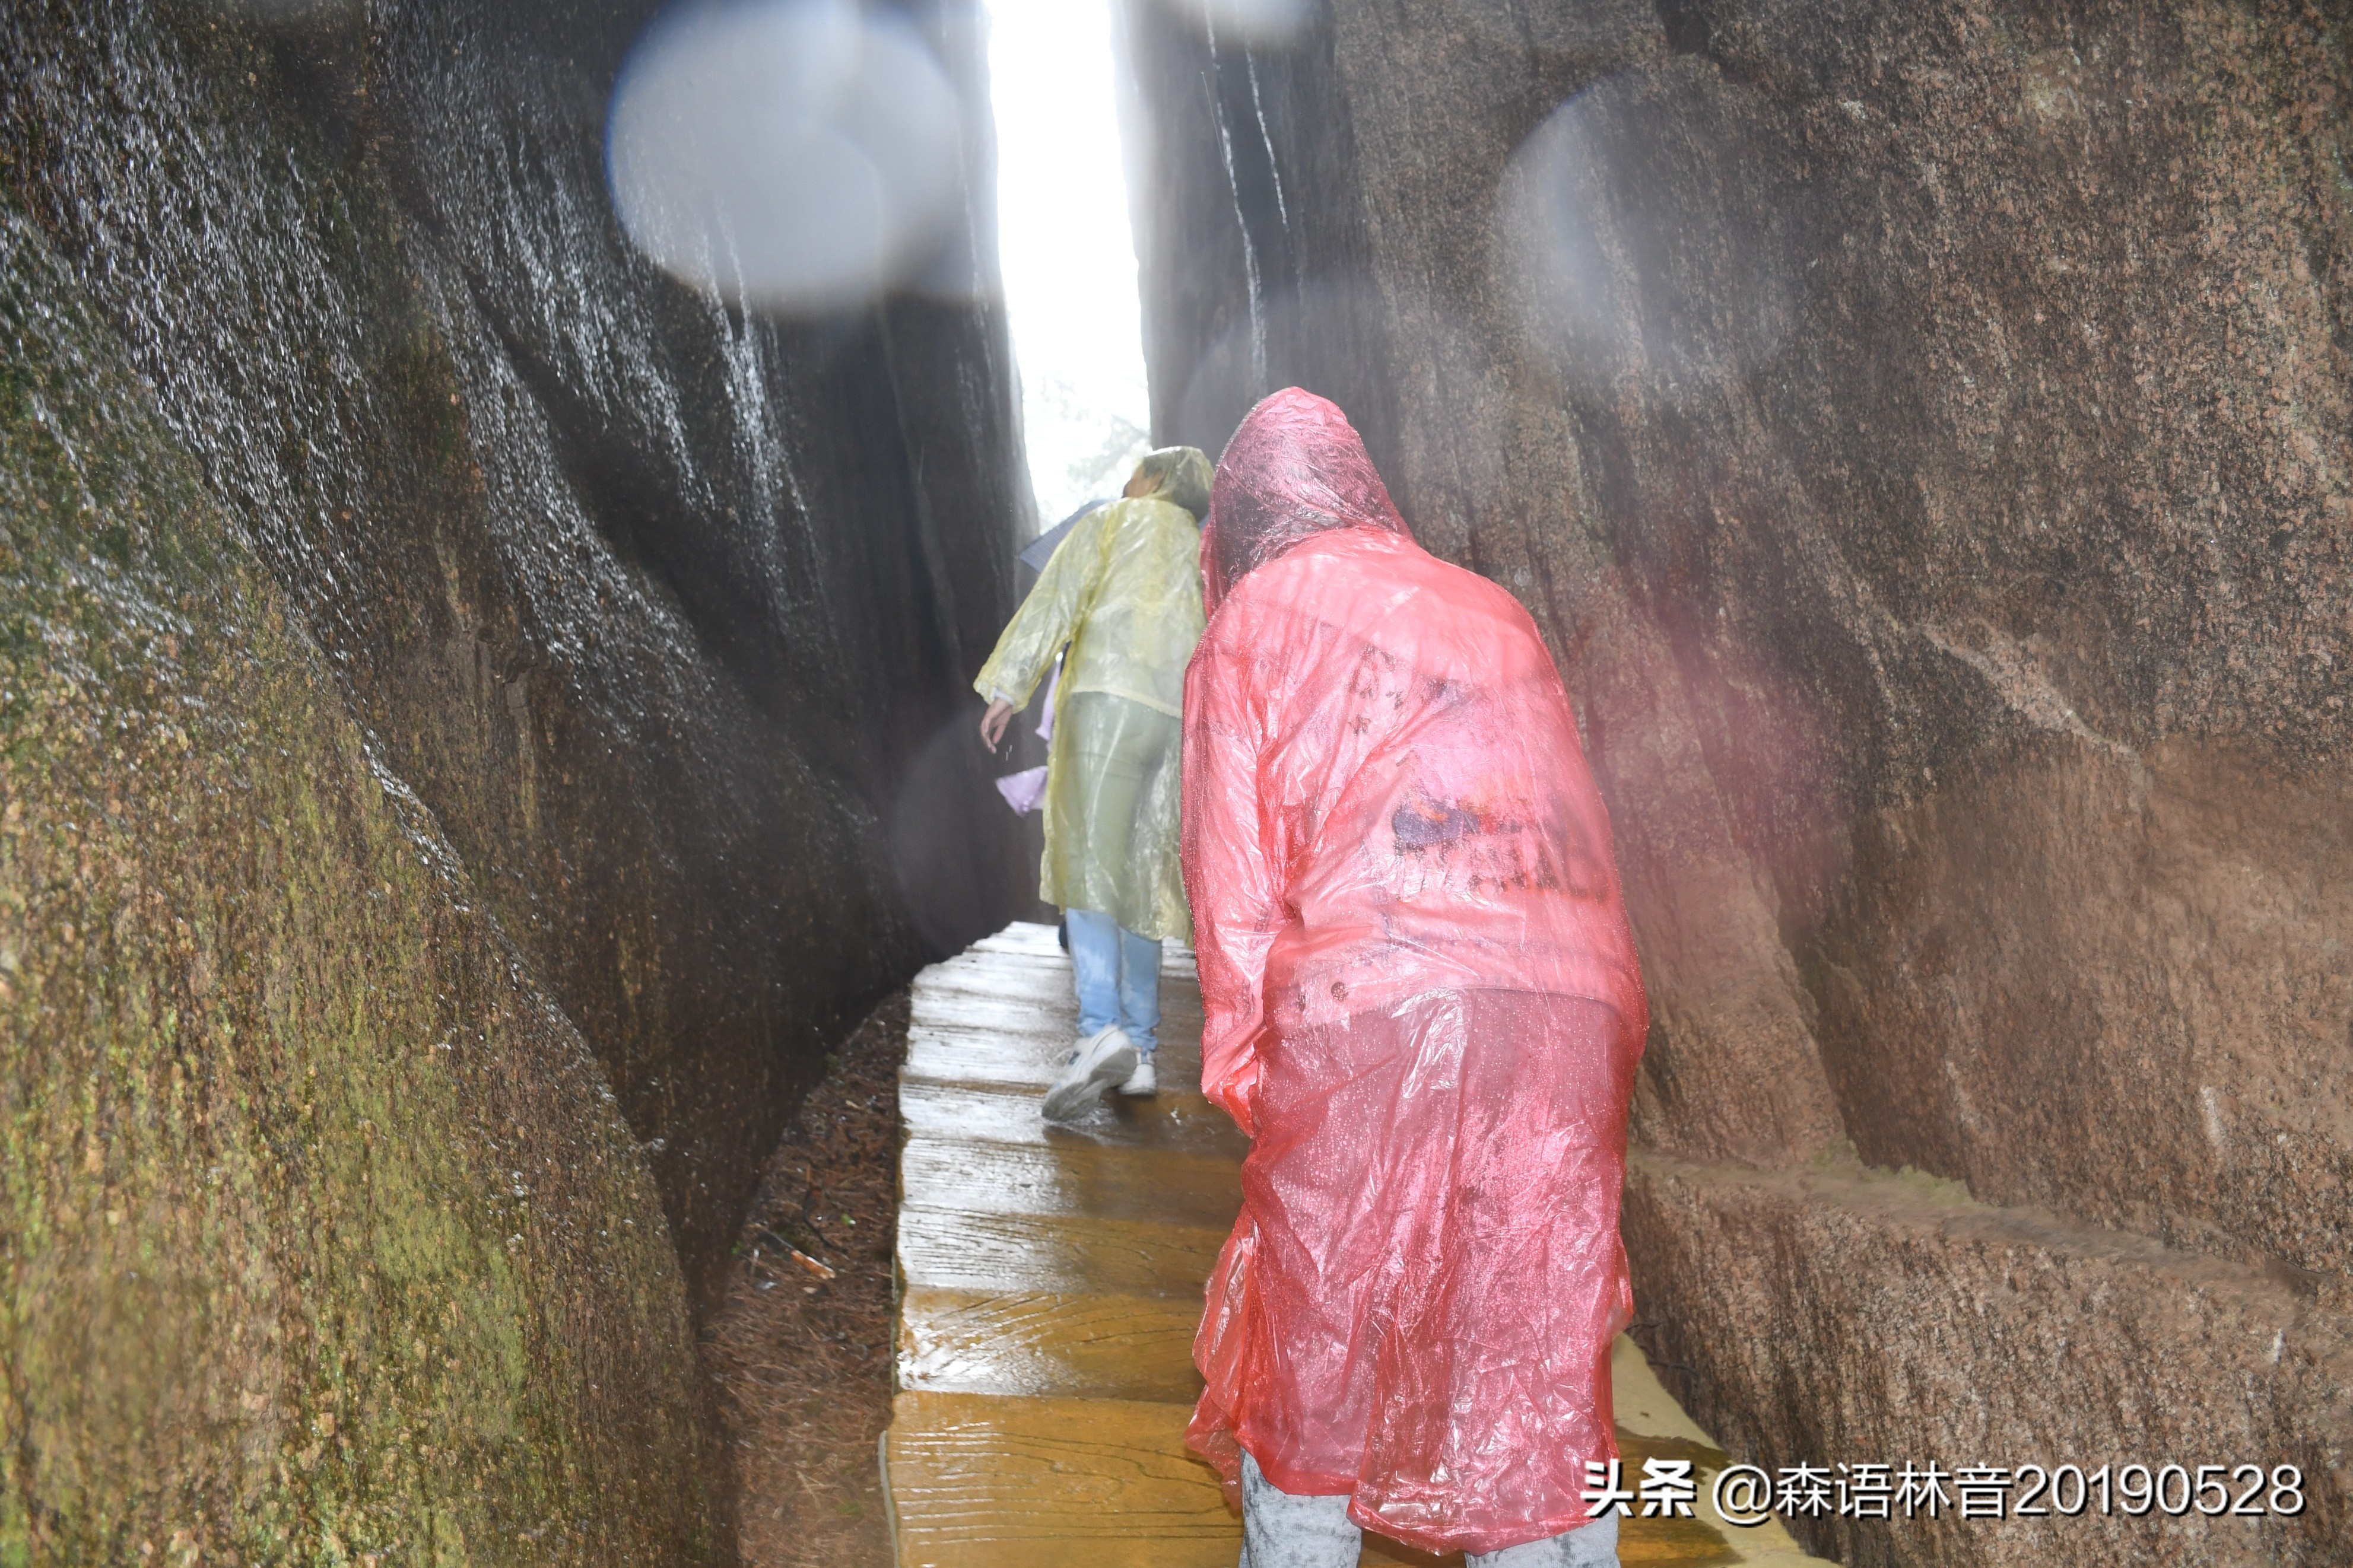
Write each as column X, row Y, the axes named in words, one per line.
column 1052, row 1282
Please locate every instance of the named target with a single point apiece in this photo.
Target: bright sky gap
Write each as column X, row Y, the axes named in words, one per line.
column 1068, row 255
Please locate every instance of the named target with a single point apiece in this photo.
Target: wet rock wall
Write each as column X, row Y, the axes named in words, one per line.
column 324, row 1235
column 556, row 741
column 1921, row 432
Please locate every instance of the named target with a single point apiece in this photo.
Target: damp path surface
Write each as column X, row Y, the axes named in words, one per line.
column 1051, row 1283
column 802, row 1362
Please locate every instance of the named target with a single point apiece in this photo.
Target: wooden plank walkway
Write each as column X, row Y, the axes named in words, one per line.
column 1051, row 1282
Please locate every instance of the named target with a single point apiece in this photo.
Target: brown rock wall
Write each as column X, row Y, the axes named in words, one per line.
column 1922, row 432
column 321, row 1236
column 2182, row 1077
column 1910, row 1323
column 476, row 718
column 667, row 613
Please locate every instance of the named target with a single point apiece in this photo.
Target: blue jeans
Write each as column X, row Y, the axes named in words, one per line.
column 1280, row 1530
column 1118, row 977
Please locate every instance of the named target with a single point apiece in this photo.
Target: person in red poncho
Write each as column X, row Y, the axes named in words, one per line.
column 1422, row 1004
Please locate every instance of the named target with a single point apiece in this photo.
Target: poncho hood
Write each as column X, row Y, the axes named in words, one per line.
column 1295, row 468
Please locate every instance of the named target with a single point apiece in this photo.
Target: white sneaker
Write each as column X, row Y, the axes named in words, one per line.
column 1144, row 1080
column 1105, row 1059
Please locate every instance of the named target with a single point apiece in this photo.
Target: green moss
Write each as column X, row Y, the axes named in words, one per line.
column 319, row 1241
column 1933, row 1188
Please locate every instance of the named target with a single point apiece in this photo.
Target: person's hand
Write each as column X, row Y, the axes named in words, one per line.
column 993, row 722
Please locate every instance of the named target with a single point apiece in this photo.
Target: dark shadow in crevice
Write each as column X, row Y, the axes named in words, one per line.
column 1689, row 27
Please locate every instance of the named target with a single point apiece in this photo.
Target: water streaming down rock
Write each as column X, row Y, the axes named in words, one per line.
column 1254, row 276
column 480, row 715
column 1921, row 432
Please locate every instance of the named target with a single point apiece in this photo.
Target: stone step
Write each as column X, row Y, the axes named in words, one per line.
column 971, row 1250
column 984, row 1481
column 1095, row 1346
column 1176, row 1122
column 1072, row 1177
column 976, row 1049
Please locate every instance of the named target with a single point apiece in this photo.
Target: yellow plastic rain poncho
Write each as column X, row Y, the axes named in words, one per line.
column 1124, row 592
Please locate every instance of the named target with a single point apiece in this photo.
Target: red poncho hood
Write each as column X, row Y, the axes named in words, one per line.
column 1295, row 468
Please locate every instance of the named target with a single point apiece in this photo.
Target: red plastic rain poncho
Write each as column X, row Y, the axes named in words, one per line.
column 1421, row 1001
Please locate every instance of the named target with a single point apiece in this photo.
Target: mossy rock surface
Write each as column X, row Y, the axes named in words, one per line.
column 666, row 613
column 320, row 1239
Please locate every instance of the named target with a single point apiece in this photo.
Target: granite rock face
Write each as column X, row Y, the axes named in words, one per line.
column 1906, row 1318
column 479, row 717
column 1922, row 432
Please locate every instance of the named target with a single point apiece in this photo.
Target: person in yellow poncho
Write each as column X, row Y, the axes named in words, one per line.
column 1124, row 590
